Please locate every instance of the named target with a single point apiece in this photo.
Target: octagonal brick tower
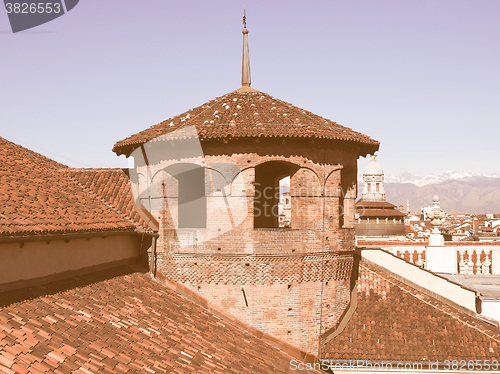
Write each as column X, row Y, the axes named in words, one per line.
column 213, row 175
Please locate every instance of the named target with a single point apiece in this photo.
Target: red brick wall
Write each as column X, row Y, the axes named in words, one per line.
column 292, row 297
column 323, row 190
column 296, row 280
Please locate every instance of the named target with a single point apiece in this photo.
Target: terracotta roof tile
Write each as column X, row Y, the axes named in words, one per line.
column 249, row 114
column 396, row 322
column 390, row 213
column 377, row 209
column 38, row 198
column 113, row 187
column 120, row 320
column 374, row 204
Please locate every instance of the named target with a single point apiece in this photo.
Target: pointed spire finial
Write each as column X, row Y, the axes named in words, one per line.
column 245, row 76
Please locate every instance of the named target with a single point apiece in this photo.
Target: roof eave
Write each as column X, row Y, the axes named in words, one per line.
column 34, row 237
column 365, row 148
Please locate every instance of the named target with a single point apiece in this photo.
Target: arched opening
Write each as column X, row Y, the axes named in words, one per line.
column 272, row 189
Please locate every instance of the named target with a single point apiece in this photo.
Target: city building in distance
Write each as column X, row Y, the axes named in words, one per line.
column 374, row 215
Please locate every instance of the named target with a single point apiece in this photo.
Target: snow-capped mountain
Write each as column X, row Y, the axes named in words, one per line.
column 465, row 192
column 421, row 181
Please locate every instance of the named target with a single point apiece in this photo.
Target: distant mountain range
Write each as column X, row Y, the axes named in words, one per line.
column 464, row 192
column 433, row 178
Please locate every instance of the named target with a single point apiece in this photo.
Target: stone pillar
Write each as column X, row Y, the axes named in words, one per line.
column 438, row 258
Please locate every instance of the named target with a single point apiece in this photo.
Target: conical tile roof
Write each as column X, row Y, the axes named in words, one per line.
column 248, row 113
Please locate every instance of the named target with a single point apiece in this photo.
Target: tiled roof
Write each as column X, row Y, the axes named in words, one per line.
column 374, row 204
column 392, row 213
column 118, row 321
column 249, row 114
column 113, row 186
column 377, row 209
column 396, row 322
column 38, row 198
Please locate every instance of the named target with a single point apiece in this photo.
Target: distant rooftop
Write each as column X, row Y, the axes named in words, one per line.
column 487, row 285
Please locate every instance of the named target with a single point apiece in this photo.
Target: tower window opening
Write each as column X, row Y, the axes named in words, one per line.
column 273, row 202
column 284, row 205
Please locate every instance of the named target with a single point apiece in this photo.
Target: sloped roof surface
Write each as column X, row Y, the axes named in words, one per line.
column 377, row 209
column 118, row 321
column 393, row 321
column 374, row 204
column 113, row 186
column 37, row 197
column 389, row 213
column 252, row 113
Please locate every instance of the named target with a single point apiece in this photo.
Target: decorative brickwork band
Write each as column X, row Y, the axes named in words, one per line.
column 257, row 269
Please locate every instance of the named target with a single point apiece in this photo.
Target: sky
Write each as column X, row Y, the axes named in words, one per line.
column 422, row 77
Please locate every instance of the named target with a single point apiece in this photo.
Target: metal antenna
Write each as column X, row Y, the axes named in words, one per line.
column 244, row 18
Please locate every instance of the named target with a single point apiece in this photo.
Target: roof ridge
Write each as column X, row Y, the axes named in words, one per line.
column 103, row 201
column 86, row 189
column 217, row 100
column 307, row 112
